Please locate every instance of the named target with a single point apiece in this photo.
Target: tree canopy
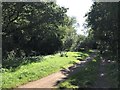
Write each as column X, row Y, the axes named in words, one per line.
column 34, row 26
column 103, row 19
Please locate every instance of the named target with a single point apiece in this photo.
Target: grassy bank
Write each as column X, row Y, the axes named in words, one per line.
column 86, row 77
column 34, row 71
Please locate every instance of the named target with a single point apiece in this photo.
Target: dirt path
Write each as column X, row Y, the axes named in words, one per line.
column 52, row 80
column 101, row 82
column 46, row 82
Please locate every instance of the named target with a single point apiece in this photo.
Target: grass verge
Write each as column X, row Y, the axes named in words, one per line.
column 86, row 77
column 34, row 71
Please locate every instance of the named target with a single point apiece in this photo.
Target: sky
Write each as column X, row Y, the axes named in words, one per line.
column 78, row 9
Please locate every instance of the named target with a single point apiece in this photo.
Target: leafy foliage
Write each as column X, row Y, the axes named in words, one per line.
column 104, row 23
column 85, row 78
column 32, row 29
column 103, row 19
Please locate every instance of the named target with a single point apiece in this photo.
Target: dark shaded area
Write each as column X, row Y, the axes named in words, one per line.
column 70, row 71
column 118, row 46
column 73, row 70
column 33, row 29
column 14, row 63
column 100, row 81
column 32, row 26
column 103, row 20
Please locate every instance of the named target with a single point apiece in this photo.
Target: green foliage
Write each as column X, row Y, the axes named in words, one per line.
column 33, row 29
column 91, row 51
column 85, row 78
column 78, row 39
column 103, row 20
column 82, row 56
column 67, row 85
column 63, row 54
column 89, row 42
column 31, row 26
column 34, row 71
column 17, row 62
column 112, row 74
column 83, row 43
column 70, row 35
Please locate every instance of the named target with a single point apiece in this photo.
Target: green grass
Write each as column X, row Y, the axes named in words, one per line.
column 91, row 51
column 86, row 77
column 34, row 71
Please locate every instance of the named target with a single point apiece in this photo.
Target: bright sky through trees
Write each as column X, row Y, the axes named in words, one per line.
column 78, row 9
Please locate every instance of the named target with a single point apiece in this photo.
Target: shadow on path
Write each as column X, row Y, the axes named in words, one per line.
column 70, row 71
column 54, row 79
column 102, row 82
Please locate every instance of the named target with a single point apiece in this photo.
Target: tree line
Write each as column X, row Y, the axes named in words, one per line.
column 44, row 28
column 36, row 28
column 39, row 27
column 103, row 20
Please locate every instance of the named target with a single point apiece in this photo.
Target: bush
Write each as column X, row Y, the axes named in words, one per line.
column 13, row 62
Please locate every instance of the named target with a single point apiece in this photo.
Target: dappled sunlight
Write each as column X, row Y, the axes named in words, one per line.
column 40, row 39
column 80, row 74
column 94, row 60
column 102, row 74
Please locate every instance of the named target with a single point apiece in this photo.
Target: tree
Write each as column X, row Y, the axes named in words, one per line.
column 78, row 40
column 31, row 26
column 103, row 19
column 70, row 34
